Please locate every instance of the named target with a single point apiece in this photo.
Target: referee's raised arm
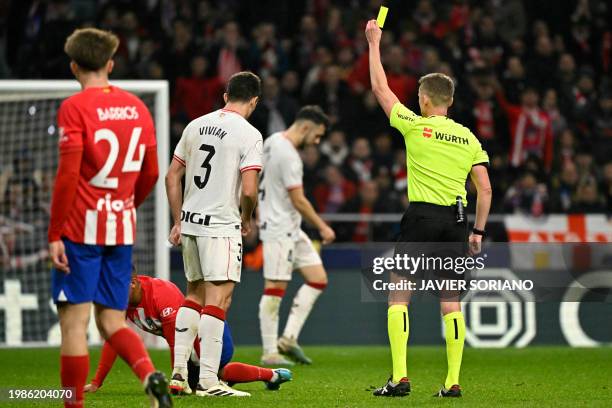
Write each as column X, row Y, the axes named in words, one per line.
column 386, row 98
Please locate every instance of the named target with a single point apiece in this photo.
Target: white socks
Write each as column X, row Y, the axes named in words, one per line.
column 186, row 330
column 211, row 344
column 269, row 306
column 302, row 305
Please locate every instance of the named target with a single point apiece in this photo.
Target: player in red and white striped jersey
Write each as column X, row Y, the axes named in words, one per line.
column 113, row 131
column 107, row 167
column 153, row 307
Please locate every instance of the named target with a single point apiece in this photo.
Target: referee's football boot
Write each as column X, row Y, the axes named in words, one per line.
column 291, row 349
column 391, row 389
column 156, row 387
column 452, row 392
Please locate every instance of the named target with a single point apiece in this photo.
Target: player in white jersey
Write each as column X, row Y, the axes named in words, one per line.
column 220, row 155
column 286, row 247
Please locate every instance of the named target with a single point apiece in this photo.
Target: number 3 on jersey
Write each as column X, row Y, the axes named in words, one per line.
column 130, row 164
column 210, row 152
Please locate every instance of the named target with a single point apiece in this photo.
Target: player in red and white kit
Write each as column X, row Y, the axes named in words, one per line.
column 107, row 167
column 153, row 305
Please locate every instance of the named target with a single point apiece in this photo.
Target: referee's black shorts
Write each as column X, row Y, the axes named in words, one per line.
column 430, row 230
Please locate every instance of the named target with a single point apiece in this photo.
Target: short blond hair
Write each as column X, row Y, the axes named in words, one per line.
column 439, row 87
column 91, row 48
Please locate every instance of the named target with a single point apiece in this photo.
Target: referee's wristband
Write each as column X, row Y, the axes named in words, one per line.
column 476, row 231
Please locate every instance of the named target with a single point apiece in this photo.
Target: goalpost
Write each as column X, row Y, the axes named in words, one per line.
column 28, row 162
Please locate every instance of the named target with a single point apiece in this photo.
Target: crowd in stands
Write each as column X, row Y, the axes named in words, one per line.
column 533, row 82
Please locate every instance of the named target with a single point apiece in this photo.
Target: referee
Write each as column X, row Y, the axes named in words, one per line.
column 440, row 154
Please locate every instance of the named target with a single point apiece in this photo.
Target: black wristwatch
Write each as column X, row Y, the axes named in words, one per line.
column 476, row 231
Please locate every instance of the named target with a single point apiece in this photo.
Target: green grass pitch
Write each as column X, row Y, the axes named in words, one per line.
column 340, row 375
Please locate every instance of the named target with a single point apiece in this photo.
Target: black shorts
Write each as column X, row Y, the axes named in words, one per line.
column 432, row 231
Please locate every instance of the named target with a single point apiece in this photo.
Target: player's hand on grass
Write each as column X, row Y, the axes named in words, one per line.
column 91, row 387
column 373, row 32
column 327, row 235
column 57, row 251
column 474, row 244
column 175, row 235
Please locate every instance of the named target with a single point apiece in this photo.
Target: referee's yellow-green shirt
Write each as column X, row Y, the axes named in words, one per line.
column 439, row 155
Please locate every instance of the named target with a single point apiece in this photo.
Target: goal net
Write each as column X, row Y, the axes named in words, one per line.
column 28, row 162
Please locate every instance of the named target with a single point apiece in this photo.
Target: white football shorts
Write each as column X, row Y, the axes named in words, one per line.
column 212, row 258
column 281, row 257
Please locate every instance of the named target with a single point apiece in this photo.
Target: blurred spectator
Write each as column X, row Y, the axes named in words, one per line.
column 290, row 85
column 230, row 54
column 510, row 18
column 527, row 196
column 147, row 54
column 584, row 100
column 551, row 108
column 424, row 16
column 587, row 199
column 346, row 59
column 359, row 164
column 59, row 22
column 399, row 171
column 129, row 36
column 197, row 94
column 485, row 118
column 404, row 86
column 383, row 151
column 314, row 165
column 585, row 163
column 565, row 190
column 488, row 45
column 334, row 147
column 333, row 95
column 322, row 59
column 602, row 122
column 565, row 149
column 266, row 55
column 364, row 203
column 498, row 171
column 602, row 126
column 275, row 111
column 180, row 51
column 581, row 43
column 305, row 44
column 368, row 201
column 369, row 118
column 540, row 63
column 565, row 78
column 334, row 191
column 530, row 129
column 514, row 80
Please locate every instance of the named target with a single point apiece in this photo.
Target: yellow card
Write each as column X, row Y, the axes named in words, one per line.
column 382, row 15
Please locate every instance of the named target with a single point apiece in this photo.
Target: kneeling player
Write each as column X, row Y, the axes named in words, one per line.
column 286, row 247
column 153, row 304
